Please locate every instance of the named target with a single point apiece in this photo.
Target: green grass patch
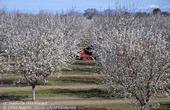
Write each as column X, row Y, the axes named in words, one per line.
column 52, row 80
column 83, row 93
column 88, row 80
column 76, row 72
column 80, row 68
column 8, row 81
column 84, row 63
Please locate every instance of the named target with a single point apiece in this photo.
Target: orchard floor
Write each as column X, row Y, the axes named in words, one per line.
column 78, row 88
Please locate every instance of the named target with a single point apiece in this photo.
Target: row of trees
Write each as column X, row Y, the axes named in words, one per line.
column 90, row 13
column 133, row 52
column 134, row 56
column 38, row 45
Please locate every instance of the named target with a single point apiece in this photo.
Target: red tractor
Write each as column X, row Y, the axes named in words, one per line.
column 86, row 54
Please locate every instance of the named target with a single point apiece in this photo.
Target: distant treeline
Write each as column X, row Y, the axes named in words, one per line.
column 91, row 12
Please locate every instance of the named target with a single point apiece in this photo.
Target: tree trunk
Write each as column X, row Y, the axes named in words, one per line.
column 143, row 107
column 33, row 92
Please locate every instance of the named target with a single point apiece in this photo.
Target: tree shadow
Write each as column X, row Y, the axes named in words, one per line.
column 89, row 93
column 163, row 106
column 6, row 97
